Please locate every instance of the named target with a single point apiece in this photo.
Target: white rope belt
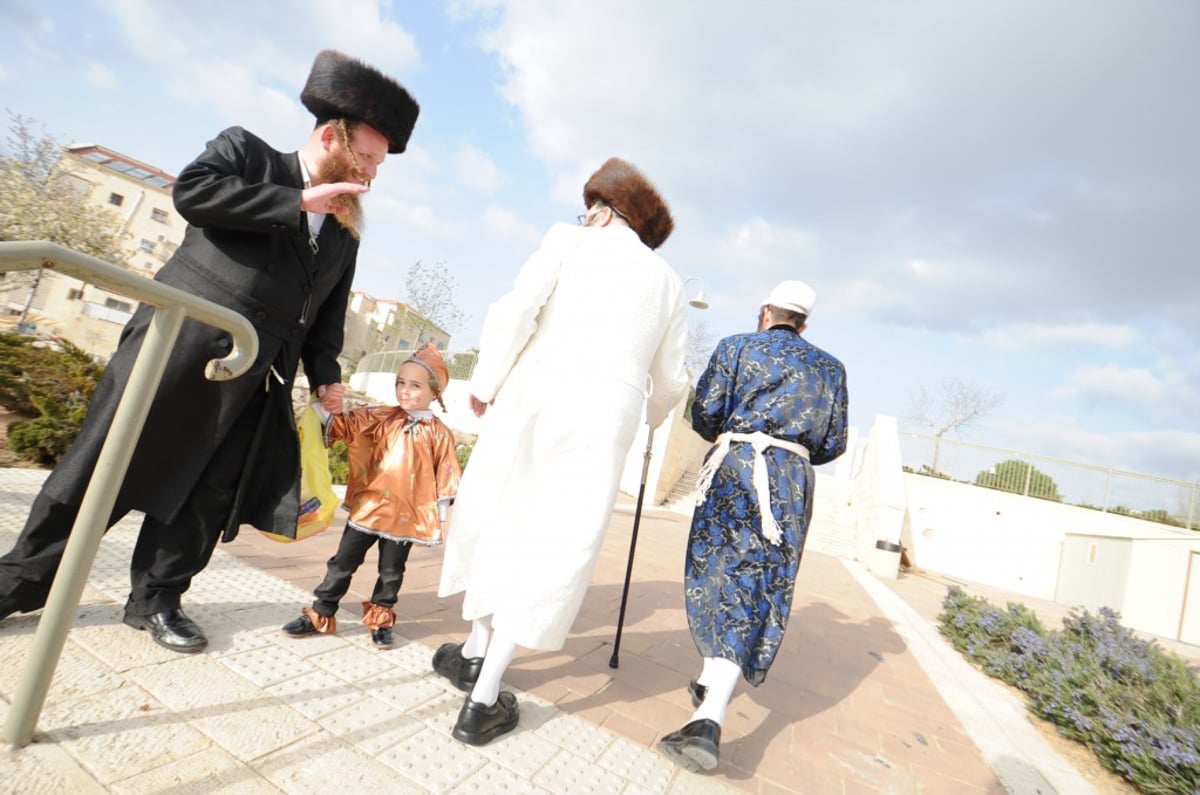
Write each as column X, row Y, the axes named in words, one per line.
column 762, row 487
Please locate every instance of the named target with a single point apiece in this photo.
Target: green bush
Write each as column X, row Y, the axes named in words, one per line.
column 46, row 438
column 464, row 455
column 33, row 372
column 339, row 463
column 1136, row 706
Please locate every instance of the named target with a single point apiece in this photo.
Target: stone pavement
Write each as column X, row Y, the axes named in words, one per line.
column 864, row 697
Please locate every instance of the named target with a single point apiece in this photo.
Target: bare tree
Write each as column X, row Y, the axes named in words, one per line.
column 41, row 198
column 699, row 347
column 430, row 291
column 955, row 405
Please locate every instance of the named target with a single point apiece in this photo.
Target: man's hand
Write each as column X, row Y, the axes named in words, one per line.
column 478, row 406
column 331, row 397
column 317, row 198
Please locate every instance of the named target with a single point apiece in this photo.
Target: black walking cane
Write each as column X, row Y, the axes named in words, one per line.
column 637, row 518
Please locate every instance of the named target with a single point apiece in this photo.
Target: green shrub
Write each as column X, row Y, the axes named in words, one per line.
column 464, row 455
column 339, row 463
column 45, row 439
column 33, row 371
column 1136, row 706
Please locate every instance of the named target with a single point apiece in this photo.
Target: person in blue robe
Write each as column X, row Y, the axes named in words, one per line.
column 775, row 406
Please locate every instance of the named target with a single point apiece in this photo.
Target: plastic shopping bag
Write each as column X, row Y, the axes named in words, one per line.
column 318, row 500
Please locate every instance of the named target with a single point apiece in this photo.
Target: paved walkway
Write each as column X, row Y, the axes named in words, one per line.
column 864, row 698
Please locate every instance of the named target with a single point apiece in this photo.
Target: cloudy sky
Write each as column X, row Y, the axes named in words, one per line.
column 1004, row 193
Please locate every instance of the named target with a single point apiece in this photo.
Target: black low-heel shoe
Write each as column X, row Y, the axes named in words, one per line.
column 382, row 637
column 695, row 747
column 300, row 627
column 479, row 724
column 171, row 629
column 448, row 661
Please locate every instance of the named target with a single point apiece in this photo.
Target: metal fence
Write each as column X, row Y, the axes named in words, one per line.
column 461, row 363
column 1170, row 502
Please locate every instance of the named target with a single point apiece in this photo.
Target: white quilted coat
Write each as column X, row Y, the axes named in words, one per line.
column 594, row 329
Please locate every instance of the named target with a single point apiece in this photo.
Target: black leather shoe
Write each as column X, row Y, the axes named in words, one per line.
column 695, row 747
column 382, row 637
column 462, row 672
column 479, row 724
column 697, row 691
column 301, row 627
column 172, row 630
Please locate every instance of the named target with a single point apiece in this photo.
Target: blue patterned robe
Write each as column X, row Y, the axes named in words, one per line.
column 738, row 586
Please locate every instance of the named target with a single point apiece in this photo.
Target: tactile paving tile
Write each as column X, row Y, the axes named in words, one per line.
column 315, row 693
column 371, row 725
column 197, row 774
column 577, row 736
column 435, row 761
column 567, row 772
column 265, row 666
column 490, row 780
column 440, row 712
column 119, row 732
column 645, row 768
column 325, row 765
column 353, row 664
column 416, row 658
column 522, row 752
column 404, row 691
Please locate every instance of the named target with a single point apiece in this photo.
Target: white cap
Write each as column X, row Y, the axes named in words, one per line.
column 796, row 296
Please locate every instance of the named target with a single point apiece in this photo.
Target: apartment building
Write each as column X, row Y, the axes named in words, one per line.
column 374, row 325
column 139, row 198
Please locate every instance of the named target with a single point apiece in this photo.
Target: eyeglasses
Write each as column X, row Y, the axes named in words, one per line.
column 586, row 218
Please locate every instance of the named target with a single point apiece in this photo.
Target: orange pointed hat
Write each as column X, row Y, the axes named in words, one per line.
column 428, row 357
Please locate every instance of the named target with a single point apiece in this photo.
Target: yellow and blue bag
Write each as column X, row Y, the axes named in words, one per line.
column 318, row 500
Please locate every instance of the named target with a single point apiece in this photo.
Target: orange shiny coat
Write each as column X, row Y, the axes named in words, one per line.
column 399, row 467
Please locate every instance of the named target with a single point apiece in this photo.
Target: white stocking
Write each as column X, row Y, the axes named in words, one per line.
column 476, row 644
column 499, row 654
column 720, row 677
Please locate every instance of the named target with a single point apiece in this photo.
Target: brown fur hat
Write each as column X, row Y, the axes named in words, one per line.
column 620, row 185
column 341, row 87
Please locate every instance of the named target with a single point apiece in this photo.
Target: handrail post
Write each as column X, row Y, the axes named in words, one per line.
column 90, row 524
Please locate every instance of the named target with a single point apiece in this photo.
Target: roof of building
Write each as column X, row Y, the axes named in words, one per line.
column 127, row 166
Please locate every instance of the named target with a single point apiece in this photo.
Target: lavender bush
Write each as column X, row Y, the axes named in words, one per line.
column 1134, row 704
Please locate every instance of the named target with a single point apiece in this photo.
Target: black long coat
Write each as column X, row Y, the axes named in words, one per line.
column 247, row 248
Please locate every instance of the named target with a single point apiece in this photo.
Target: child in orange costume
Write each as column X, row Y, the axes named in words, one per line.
column 404, row 473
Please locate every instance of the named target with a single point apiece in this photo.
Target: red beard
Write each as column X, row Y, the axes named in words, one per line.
column 339, row 166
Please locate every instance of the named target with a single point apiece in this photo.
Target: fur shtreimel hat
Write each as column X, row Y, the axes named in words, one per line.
column 428, row 357
column 624, row 188
column 341, row 87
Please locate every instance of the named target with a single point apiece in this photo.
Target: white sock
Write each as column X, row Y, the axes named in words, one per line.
column 476, row 644
column 705, row 672
column 722, row 677
column 499, row 654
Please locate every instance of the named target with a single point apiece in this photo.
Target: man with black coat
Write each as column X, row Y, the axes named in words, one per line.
column 214, row 455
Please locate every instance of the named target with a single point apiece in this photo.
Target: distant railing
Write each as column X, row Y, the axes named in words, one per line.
column 1155, row 499
column 461, row 363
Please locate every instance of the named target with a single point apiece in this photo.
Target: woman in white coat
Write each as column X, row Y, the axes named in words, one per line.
column 593, row 331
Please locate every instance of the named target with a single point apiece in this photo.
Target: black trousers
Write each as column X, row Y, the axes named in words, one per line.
column 167, row 555
column 351, row 551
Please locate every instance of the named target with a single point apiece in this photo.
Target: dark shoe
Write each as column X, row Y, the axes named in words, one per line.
column 462, row 672
column 301, row 627
column 479, row 724
column 697, row 691
column 382, row 637
column 695, row 747
column 172, row 630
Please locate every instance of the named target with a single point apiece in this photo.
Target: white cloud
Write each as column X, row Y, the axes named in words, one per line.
column 99, row 76
column 774, row 250
column 476, row 170
column 6, row 74
column 505, row 225
column 1130, row 387
column 1020, row 337
column 421, row 218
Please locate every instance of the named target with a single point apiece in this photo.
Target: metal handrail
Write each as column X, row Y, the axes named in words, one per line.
column 174, row 306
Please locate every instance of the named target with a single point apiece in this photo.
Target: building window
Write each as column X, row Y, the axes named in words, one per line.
column 74, row 295
column 147, row 245
column 158, row 215
column 120, row 306
column 116, row 199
